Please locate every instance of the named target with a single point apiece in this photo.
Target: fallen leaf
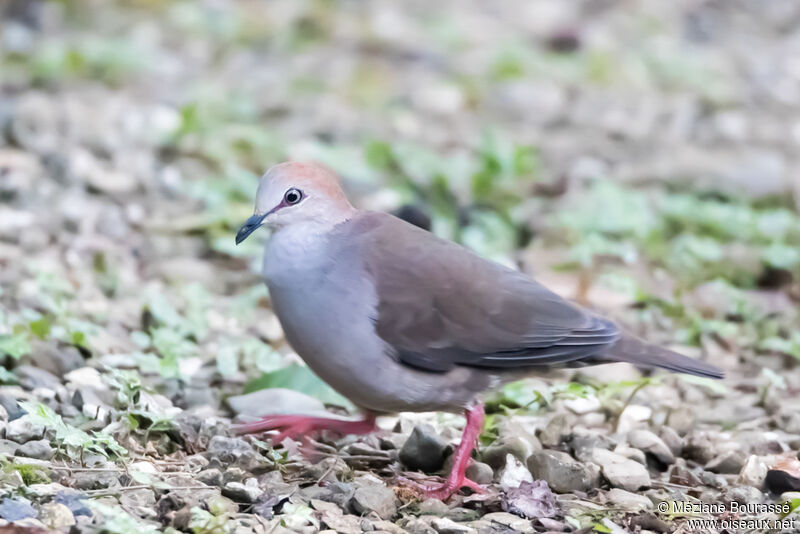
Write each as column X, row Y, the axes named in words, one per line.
column 531, row 500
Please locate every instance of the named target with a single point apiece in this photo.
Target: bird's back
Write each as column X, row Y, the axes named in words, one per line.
column 440, row 305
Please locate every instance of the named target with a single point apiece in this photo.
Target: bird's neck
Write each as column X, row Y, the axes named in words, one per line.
column 295, row 251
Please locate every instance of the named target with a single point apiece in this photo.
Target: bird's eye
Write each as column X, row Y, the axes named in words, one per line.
column 293, row 196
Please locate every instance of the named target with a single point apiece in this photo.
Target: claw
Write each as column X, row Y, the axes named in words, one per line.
column 298, row 426
column 442, row 490
column 457, row 478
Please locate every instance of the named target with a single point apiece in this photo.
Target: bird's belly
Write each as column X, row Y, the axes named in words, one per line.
column 333, row 332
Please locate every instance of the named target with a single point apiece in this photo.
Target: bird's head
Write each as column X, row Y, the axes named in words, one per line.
column 294, row 193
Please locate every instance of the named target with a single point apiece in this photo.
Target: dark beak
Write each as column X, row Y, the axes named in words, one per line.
column 250, row 226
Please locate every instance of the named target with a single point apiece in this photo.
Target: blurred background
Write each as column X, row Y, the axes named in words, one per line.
column 640, row 157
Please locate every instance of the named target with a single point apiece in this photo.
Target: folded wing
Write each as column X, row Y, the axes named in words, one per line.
column 440, row 305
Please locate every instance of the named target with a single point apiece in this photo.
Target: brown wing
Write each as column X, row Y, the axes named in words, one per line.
column 441, row 305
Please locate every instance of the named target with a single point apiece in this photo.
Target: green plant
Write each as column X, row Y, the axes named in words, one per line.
column 69, row 439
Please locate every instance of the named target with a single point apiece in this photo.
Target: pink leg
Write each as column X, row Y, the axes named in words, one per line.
column 457, row 478
column 301, row 425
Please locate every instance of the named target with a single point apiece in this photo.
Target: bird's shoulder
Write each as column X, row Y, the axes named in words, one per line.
column 389, row 244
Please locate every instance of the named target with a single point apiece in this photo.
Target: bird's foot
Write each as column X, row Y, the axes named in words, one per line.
column 443, row 490
column 457, row 478
column 298, row 426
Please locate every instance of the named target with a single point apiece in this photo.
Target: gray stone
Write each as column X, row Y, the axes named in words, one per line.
column 557, row 430
column 432, row 507
column 45, row 491
column 15, row 509
column 219, row 505
column 583, row 442
column 339, row 493
column 11, row 405
column 31, row 377
column 374, row 498
column 11, row 479
column 386, row 527
column 629, row 452
column 56, row 360
column 495, row 454
column 249, row 492
column 328, row 470
column 682, row 419
column 743, row 495
column 76, row 501
column 56, row 516
column 460, row 514
column 274, row 401
column 332, row 517
column 511, row 521
column 210, row 477
column 424, row 450
column 514, row 474
column 22, row 430
column 234, row 474
column 443, row 525
column 139, row 498
column 621, row 472
column 226, row 449
column 713, row 480
column 91, row 401
column 417, row 525
column 671, row 439
column 630, row 502
column 92, row 481
column 562, row 473
column 727, row 463
column 481, row 526
column 86, row 377
column 39, row 449
column 198, row 397
column 699, row 447
column 651, row 444
column 8, row 447
column 753, row 472
column 480, row 473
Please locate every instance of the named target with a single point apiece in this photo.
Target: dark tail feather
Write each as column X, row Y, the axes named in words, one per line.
column 637, row 352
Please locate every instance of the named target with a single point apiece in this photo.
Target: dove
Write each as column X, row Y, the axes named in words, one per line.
column 398, row 320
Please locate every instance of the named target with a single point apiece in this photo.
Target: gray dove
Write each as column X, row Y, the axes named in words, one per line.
column 397, row 319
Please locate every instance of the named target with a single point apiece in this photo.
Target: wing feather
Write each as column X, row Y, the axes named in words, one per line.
column 440, row 305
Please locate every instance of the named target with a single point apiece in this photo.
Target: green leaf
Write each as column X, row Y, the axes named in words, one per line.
column 522, row 394
column 172, row 347
column 40, row 327
column 79, row 339
column 68, row 436
column 227, row 361
column 379, row 155
column 781, row 256
column 15, row 345
column 7, row 377
column 118, row 521
column 794, row 504
column 203, row 522
column 142, row 477
column 783, row 345
column 133, row 422
column 299, row 378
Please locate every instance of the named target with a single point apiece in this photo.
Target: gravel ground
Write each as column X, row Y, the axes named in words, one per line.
column 639, row 157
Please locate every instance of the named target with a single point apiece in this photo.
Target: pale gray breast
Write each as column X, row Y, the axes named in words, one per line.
column 316, row 293
column 325, row 301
